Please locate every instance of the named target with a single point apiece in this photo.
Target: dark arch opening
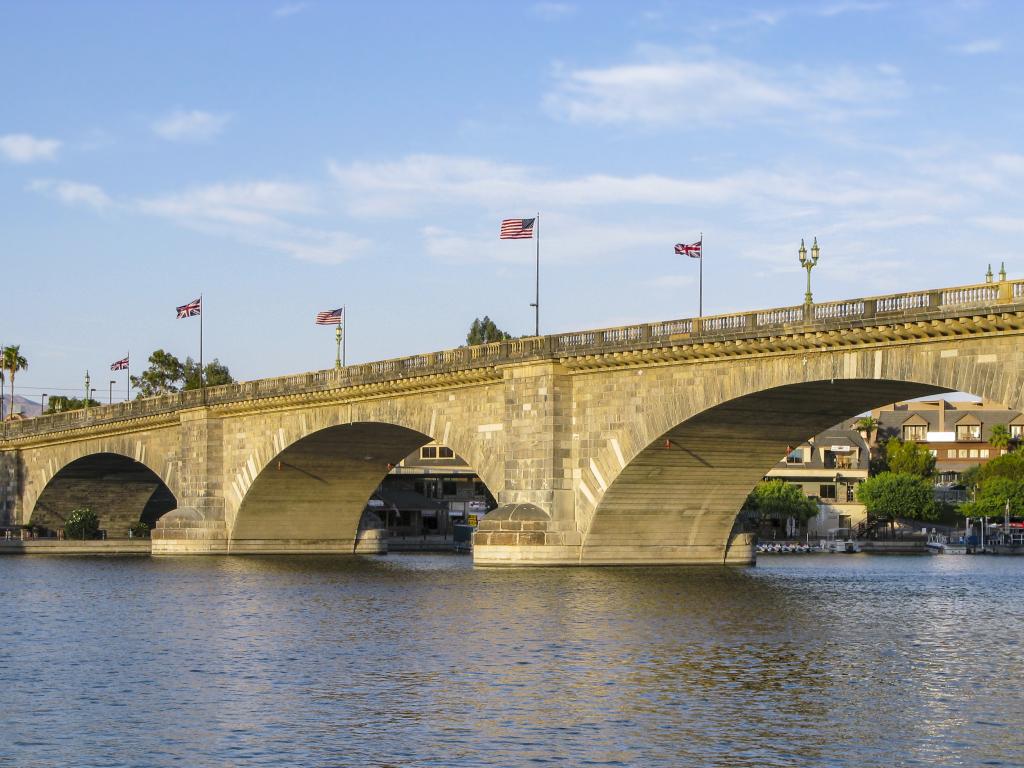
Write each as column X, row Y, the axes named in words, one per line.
column 679, row 498
column 312, row 495
column 120, row 490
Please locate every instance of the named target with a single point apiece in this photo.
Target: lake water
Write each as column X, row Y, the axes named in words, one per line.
column 408, row 660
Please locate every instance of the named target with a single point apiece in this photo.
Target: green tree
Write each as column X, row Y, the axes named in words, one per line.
column 13, row 361
column 61, row 403
column 163, row 376
column 909, row 458
column 776, row 499
column 866, row 424
column 167, row 374
column 484, row 331
column 1000, row 436
column 892, row 495
column 81, row 524
column 992, row 495
column 215, row 374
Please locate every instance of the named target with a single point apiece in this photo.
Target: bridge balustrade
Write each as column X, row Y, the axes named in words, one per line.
column 735, row 325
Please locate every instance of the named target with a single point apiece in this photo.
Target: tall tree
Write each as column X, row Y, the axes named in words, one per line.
column 1000, row 436
column 214, row 374
column 14, row 361
column 166, row 374
column 163, row 376
column 909, row 458
column 777, row 499
column 891, row 495
column 484, row 331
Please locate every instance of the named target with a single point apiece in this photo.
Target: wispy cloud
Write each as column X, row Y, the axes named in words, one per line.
column 663, row 88
column 553, row 11
column 289, row 9
column 264, row 214
column 73, row 193
column 979, row 47
column 26, row 148
column 194, row 125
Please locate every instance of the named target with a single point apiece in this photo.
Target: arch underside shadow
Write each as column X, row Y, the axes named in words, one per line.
column 311, row 496
column 678, row 499
column 120, row 490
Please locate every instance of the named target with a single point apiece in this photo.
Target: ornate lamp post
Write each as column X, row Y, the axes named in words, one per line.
column 808, row 264
column 87, row 391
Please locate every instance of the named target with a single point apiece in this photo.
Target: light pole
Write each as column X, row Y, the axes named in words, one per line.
column 809, row 264
column 87, row 391
column 42, row 409
column 110, row 393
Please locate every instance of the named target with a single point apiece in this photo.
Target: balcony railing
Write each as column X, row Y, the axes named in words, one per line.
column 742, row 325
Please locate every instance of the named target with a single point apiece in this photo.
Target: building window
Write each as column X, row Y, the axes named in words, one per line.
column 827, row 491
column 1017, row 430
column 444, row 452
column 796, row 456
column 968, row 432
column 934, row 453
column 983, row 453
column 916, row 432
column 963, row 453
column 974, row 453
column 448, row 488
column 951, row 453
column 428, row 452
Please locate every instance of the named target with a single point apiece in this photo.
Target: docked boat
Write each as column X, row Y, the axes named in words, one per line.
column 1007, row 542
column 940, row 544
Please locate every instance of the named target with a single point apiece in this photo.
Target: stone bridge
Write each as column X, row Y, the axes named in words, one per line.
column 624, row 445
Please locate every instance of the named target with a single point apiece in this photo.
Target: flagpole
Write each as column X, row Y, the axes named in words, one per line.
column 700, row 280
column 128, row 373
column 536, row 302
column 202, row 383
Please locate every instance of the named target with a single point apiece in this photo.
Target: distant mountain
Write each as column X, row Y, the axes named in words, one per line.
column 28, row 408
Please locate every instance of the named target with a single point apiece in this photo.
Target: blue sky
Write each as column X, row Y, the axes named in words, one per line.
column 288, row 157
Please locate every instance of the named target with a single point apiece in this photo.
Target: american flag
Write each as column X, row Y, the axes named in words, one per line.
column 120, row 365
column 517, row 229
column 331, row 317
column 689, row 249
column 191, row 309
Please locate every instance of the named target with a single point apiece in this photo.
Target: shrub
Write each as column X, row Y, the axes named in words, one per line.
column 140, row 530
column 81, row 524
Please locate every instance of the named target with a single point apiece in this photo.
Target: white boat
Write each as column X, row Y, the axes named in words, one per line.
column 840, row 540
column 939, row 544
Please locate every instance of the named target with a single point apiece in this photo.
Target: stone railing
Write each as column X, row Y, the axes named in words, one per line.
column 739, row 325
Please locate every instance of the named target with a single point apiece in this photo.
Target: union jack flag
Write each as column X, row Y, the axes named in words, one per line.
column 191, row 309
column 689, row 249
column 331, row 317
column 120, row 365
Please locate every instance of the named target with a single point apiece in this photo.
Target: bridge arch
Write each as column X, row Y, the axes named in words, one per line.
column 304, row 488
column 121, row 490
column 671, row 486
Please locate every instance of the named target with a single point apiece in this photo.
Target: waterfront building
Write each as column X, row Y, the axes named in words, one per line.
column 828, row 468
column 956, row 432
column 428, row 491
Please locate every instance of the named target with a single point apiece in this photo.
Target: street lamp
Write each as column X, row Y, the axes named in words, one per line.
column 808, row 264
column 110, row 394
column 86, row 391
column 42, row 409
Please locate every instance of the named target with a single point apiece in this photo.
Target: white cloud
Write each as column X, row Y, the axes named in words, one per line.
column 289, row 9
column 841, row 8
column 1009, row 224
column 73, row 193
column 663, row 88
column 190, row 126
column 553, row 11
column 25, row 148
column 260, row 214
column 978, row 47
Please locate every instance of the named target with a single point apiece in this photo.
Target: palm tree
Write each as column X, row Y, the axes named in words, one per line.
column 13, row 361
column 1000, row 437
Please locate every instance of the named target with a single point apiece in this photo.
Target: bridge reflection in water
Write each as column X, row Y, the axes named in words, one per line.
column 614, row 446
